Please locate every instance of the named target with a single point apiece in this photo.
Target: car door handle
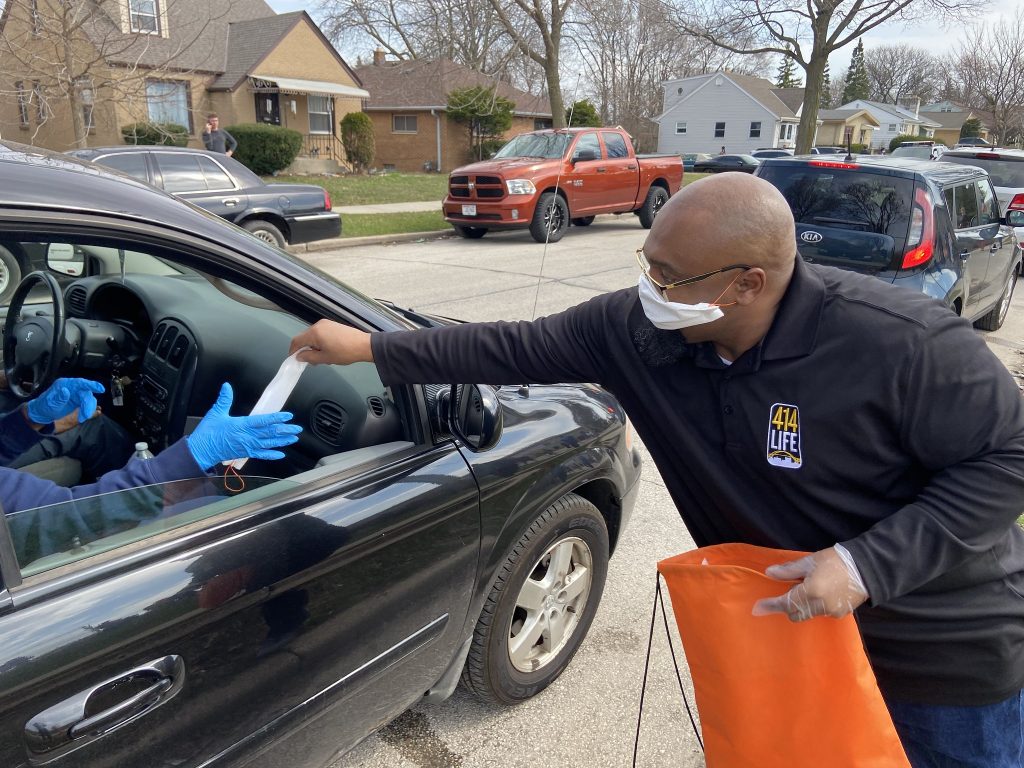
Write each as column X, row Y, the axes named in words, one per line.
column 65, row 727
column 230, row 201
column 630, row 167
column 997, row 245
column 965, row 255
column 602, row 169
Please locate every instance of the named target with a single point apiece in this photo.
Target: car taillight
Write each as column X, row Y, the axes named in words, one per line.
column 327, row 200
column 827, row 164
column 921, row 237
column 1017, row 204
column 987, row 155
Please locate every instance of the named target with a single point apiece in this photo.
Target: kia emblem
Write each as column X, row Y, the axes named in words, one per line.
column 811, row 237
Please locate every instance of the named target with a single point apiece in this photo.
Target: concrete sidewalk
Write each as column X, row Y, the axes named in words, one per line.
column 423, row 205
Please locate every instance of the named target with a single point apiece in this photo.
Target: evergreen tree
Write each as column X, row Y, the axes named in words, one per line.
column 787, row 74
column 857, row 84
column 826, row 90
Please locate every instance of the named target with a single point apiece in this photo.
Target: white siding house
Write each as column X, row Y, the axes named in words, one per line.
column 723, row 109
column 893, row 121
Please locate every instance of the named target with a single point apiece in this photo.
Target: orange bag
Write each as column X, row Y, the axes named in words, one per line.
column 771, row 693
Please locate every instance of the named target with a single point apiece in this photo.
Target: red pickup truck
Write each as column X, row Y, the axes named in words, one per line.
column 546, row 179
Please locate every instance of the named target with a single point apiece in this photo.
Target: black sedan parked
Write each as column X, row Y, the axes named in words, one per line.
column 721, row 163
column 413, row 536
column 277, row 213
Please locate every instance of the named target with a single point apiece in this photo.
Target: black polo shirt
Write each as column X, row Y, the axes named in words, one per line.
column 869, row 415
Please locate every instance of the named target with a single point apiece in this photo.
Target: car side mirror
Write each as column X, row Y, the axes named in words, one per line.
column 583, row 155
column 65, row 259
column 1015, row 218
column 473, row 414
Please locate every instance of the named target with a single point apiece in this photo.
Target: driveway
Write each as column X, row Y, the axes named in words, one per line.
column 588, row 717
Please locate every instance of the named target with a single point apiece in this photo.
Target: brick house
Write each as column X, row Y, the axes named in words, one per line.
column 408, row 106
column 171, row 61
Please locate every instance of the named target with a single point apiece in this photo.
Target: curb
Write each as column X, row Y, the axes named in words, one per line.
column 354, row 242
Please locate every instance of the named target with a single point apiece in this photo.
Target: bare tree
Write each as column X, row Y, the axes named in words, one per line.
column 899, row 71
column 72, row 51
column 808, row 31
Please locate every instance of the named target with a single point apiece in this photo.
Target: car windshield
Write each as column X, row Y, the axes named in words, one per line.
column 547, row 145
column 1004, row 173
column 922, row 153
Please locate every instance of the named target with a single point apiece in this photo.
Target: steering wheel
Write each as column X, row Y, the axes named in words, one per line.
column 33, row 345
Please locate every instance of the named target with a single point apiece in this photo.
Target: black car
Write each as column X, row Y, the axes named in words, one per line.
column 278, row 213
column 415, row 535
column 721, row 163
column 761, row 154
column 930, row 226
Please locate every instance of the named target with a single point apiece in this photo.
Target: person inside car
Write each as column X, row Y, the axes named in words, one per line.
column 217, row 438
column 733, row 360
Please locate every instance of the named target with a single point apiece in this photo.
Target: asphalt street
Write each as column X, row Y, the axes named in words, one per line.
column 588, row 717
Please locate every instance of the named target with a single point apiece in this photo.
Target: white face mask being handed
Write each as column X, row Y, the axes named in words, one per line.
column 673, row 316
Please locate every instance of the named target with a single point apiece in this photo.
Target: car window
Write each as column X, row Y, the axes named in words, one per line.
column 614, row 144
column 132, row 163
column 962, row 201
column 216, row 177
column 588, row 141
column 844, row 199
column 988, row 206
column 1004, row 173
column 181, row 172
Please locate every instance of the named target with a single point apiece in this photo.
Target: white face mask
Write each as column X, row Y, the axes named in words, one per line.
column 671, row 315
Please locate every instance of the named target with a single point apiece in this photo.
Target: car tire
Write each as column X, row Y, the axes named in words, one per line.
column 265, row 231
column 551, row 211
column 528, row 596
column 470, row 233
column 656, row 198
column 994, row 320
column 585, row 221
column 11, row 272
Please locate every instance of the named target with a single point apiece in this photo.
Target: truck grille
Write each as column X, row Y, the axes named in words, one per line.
column 476, row 187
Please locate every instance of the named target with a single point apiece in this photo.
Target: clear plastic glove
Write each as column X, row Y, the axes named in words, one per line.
column 831, row 586
column 222, row 437
column 64, row 397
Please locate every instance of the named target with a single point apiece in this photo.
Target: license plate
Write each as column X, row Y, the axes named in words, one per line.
column 469, row 210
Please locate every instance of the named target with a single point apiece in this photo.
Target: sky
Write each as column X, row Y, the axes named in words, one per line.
column 933, row 36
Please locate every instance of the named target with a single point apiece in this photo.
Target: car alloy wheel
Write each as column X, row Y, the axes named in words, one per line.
column 541, row 604
column 1004, row 304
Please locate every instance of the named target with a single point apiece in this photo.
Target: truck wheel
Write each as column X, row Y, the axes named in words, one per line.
column 265, row 231
column 11, row 272
column 470, row 233
column 586, row 221
column 551, row 214
column 541, row 604
column 656, row 198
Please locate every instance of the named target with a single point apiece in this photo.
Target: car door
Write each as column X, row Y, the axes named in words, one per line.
column 995, row 239
column 200, row 621
column 202, row 181
column 623, row 174
column 588, row 178
column 962, row 204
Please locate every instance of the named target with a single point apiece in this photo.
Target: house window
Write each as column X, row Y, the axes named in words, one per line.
column 403, row 123
column 86, row 99
column 946, row 109
column 542, row 124
column 680, row 128
column 37, row 96
column 321, row 114
column 892, row 127
column 37, row 19
column 23, row 100
column 786, row 132
column 144, row 16
column 755, row 130
column 719, row 130
column 167, row 101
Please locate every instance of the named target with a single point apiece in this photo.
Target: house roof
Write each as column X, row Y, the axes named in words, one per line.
column 842, row 115
column 791, row 97
column 949, row 119
column 425, row 84
column 765, row 92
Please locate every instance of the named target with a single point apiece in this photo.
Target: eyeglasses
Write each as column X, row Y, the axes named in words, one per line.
column 646, row 267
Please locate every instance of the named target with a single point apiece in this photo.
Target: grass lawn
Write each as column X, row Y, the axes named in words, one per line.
column 689, row 177
column 363, row 225
column 368, row 190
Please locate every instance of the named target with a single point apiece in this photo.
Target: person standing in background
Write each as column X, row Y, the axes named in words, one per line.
column 216, row 139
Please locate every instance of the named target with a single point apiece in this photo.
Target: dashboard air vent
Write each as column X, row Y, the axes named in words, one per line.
column 156, row 336
column 329, row 421
column 376, row 404
column 77, row 299
column 165, row 343
column 178, row 351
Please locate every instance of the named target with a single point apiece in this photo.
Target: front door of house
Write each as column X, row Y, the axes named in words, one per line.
column 268, row 108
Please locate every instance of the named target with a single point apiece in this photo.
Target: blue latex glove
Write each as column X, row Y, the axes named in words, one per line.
column 62, row 398
column 223, row 437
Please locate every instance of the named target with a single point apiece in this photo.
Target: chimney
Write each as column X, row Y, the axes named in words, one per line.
column 378, row 57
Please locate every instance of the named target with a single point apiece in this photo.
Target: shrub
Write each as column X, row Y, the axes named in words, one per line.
column 489, row 146
column 168, row 134
column 357, row 138
column 265, row 149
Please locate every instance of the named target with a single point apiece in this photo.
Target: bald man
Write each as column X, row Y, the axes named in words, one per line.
column 802, row 407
